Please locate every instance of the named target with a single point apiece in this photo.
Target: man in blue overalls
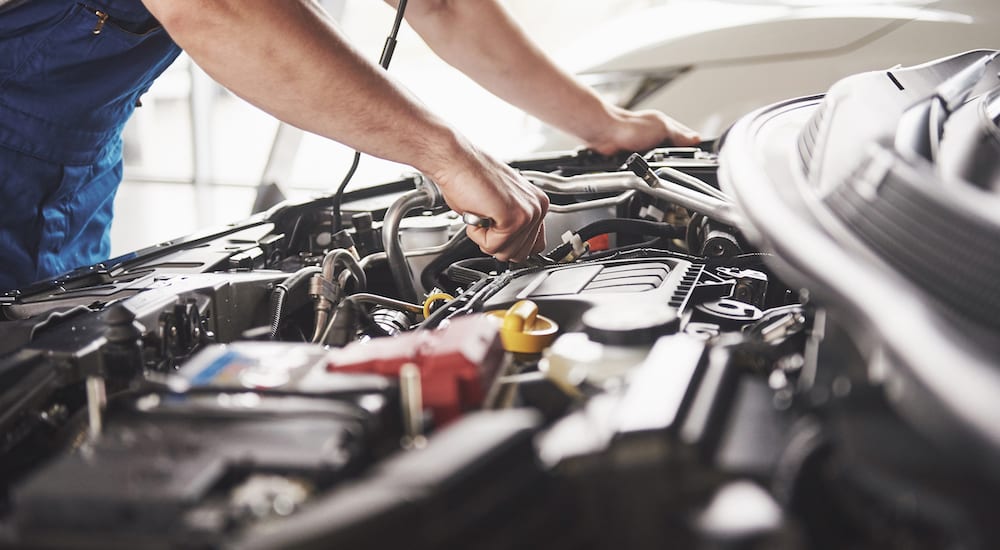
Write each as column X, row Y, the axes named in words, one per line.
column 72, row 72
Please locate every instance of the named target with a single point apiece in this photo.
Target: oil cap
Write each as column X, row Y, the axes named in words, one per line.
column 523, row 330
column 614, row 325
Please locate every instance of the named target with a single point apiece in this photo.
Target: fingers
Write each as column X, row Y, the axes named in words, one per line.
column 539, row 246
column 640, row 130
column 489, row 188
column 516, row 238
column 681, row 134
column 669, row 129
column 509, row 245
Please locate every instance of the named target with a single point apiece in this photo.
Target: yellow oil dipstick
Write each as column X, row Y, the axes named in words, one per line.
column 435, row 297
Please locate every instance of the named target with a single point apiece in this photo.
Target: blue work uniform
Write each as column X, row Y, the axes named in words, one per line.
column 71, row 74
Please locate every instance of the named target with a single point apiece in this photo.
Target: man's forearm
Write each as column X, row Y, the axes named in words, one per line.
column 483, row 41
column 288, row 59
column 480, row 39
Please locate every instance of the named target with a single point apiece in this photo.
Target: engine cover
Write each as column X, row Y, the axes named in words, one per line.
column 565, row 293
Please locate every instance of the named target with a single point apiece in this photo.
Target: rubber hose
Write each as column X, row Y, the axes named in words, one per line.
column 460, row 246
column 282, row 290
column 343, row 257
column 398, row 266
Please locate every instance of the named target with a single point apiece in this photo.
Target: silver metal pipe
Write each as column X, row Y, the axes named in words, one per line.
column 712, row 207
column 621, row 181
column 583, row 183
column 591, row 205
column 365, row 298
column 672, row 174
column 324, row 305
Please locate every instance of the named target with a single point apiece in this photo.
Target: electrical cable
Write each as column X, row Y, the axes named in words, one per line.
column 384, row 59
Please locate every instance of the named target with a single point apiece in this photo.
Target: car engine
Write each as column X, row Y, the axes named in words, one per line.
column 784, row 339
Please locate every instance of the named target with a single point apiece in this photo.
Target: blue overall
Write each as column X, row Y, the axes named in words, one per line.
column 71, row 74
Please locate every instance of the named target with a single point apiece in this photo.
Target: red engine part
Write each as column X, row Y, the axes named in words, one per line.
column 600, row 242
column 457, row 362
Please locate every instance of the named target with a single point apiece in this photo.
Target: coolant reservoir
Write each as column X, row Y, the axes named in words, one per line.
column 614, row 341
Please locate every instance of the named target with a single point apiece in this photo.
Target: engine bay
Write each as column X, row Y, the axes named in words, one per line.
column 671, row 371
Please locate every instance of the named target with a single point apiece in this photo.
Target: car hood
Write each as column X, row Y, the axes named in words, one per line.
column 682, row 34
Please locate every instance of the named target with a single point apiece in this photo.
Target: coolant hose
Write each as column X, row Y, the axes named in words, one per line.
column 398, row 266
column 282, row 290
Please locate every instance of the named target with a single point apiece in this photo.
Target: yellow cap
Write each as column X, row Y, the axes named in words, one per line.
column 523, row 330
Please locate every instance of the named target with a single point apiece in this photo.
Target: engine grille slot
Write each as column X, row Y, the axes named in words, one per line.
column 685, row 286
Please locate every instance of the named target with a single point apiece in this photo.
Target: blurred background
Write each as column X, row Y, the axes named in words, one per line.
column 194, row 152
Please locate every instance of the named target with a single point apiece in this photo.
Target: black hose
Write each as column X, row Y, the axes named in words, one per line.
column 344, row 257
column 462, row 275
column 277, row 304
column 398, row 266
column 282, row 290
column 460, row 246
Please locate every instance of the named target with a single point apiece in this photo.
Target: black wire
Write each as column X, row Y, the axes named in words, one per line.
column 384, row 59
column 390, row 41
column 338, row 197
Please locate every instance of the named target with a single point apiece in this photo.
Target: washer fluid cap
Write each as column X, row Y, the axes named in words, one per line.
column 616, row 326
column 523, row 330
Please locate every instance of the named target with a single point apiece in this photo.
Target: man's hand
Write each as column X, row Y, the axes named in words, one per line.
column 641, row 130
column 479, row 184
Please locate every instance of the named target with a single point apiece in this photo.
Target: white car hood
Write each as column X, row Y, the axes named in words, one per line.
column 690, row 32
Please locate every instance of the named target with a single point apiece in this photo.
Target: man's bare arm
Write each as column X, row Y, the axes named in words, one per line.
column 483, row 41
column 289, row 59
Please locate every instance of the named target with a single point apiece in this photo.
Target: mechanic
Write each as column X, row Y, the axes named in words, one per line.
column 72, row 72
